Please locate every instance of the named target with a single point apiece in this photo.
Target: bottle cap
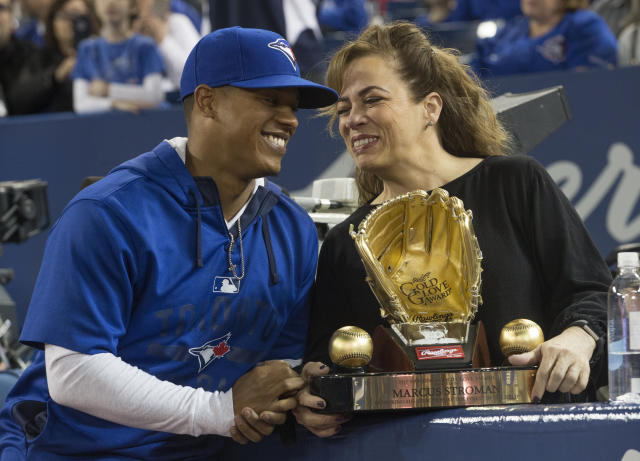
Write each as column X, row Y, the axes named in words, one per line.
column 627, row 259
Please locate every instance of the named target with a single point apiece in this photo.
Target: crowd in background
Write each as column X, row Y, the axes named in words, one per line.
column 98, row 55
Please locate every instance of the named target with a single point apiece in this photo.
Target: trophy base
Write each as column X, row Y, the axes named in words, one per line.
column 371, row 392
column 392, row 353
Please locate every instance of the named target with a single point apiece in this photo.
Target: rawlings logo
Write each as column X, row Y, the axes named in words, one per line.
column 439, row 352
column 435, row 317
column 211, row 350
column 282, row 46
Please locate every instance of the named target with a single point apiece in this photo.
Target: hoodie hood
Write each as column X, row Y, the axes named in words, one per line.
column 164, row 167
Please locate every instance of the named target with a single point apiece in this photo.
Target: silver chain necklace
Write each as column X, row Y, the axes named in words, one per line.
column 232, row 267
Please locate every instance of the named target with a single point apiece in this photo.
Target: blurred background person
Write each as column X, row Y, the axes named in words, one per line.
column 24, row 87
column 552, row 35
column 613, row 12
column 193, row 9
column 120, row 69
column 437, row 11
column 68, row 23
column 33, row 15
column 295, row 20
column 343, row 15
column 482, row 10
column 174, row 34
column 629, row 38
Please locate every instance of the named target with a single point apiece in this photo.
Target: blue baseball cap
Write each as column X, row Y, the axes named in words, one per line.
column 249, row 58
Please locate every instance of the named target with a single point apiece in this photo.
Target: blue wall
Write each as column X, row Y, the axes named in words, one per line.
column 595, row 157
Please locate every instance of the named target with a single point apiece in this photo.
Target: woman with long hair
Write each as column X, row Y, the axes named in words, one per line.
column 68, row 23
column 412, row 117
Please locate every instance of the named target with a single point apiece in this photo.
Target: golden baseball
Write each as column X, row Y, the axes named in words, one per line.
column 520, row 336
column 350, row 347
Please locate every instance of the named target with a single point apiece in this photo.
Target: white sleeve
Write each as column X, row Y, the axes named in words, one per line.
column 84, row 102
column 150, row 92
column 104, row 386
column 180, row 39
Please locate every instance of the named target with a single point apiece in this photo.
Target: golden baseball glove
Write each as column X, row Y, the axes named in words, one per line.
column 422, row 258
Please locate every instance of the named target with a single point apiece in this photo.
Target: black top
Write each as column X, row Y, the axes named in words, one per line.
column 539, row 262
column 27, row 84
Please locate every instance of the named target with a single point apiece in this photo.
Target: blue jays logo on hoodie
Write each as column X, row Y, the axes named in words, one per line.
column 211, row 350
column 282, row 46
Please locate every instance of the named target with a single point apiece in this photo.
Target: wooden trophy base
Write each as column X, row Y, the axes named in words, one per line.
column 391, row 354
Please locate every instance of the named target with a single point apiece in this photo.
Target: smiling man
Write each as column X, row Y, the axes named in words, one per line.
column 174, row 292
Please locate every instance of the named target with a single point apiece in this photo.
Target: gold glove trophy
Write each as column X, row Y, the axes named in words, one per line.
column 423, row 264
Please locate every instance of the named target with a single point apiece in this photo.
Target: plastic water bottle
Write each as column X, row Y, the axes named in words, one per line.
column 624, row 330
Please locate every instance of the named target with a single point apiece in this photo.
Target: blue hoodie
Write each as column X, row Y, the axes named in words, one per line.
column 137, row 265
column 581, row 40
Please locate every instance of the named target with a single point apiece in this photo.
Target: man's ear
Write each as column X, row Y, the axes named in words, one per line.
column 205, row 99
column 432, row 105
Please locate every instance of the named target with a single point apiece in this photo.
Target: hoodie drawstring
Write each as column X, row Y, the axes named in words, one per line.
column 199, row 262
column 273, row 270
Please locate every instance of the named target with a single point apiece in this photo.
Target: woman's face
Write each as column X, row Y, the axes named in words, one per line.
column 541, row 9
column 377, row 117
column 113, row 11
column 6, row 22
column 63, row 20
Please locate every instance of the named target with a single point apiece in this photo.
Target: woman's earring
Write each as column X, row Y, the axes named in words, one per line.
column 430, row 123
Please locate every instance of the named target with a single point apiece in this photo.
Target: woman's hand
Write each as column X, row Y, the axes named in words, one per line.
column 64, row 69
column 322, row 425
column 563, row 363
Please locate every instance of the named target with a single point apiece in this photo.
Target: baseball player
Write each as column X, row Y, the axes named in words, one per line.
column 170, row 289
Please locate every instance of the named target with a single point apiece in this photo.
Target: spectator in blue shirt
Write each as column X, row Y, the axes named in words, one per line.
column 343, row 15
column 481, row 10
column 467, row 10
column 33, row 16
column 120, row 69
column 552, row 35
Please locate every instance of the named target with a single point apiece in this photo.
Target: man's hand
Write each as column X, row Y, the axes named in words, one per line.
column 261, row 399
column 322, row 425
column 152, row 26
column 563, row 363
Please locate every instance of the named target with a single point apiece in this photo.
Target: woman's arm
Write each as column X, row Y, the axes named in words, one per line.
column 147, row 95
column 134, row 97
column 84, row 102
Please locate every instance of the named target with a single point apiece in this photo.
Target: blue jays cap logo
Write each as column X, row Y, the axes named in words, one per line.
column 282, row 46
column 211, row 350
